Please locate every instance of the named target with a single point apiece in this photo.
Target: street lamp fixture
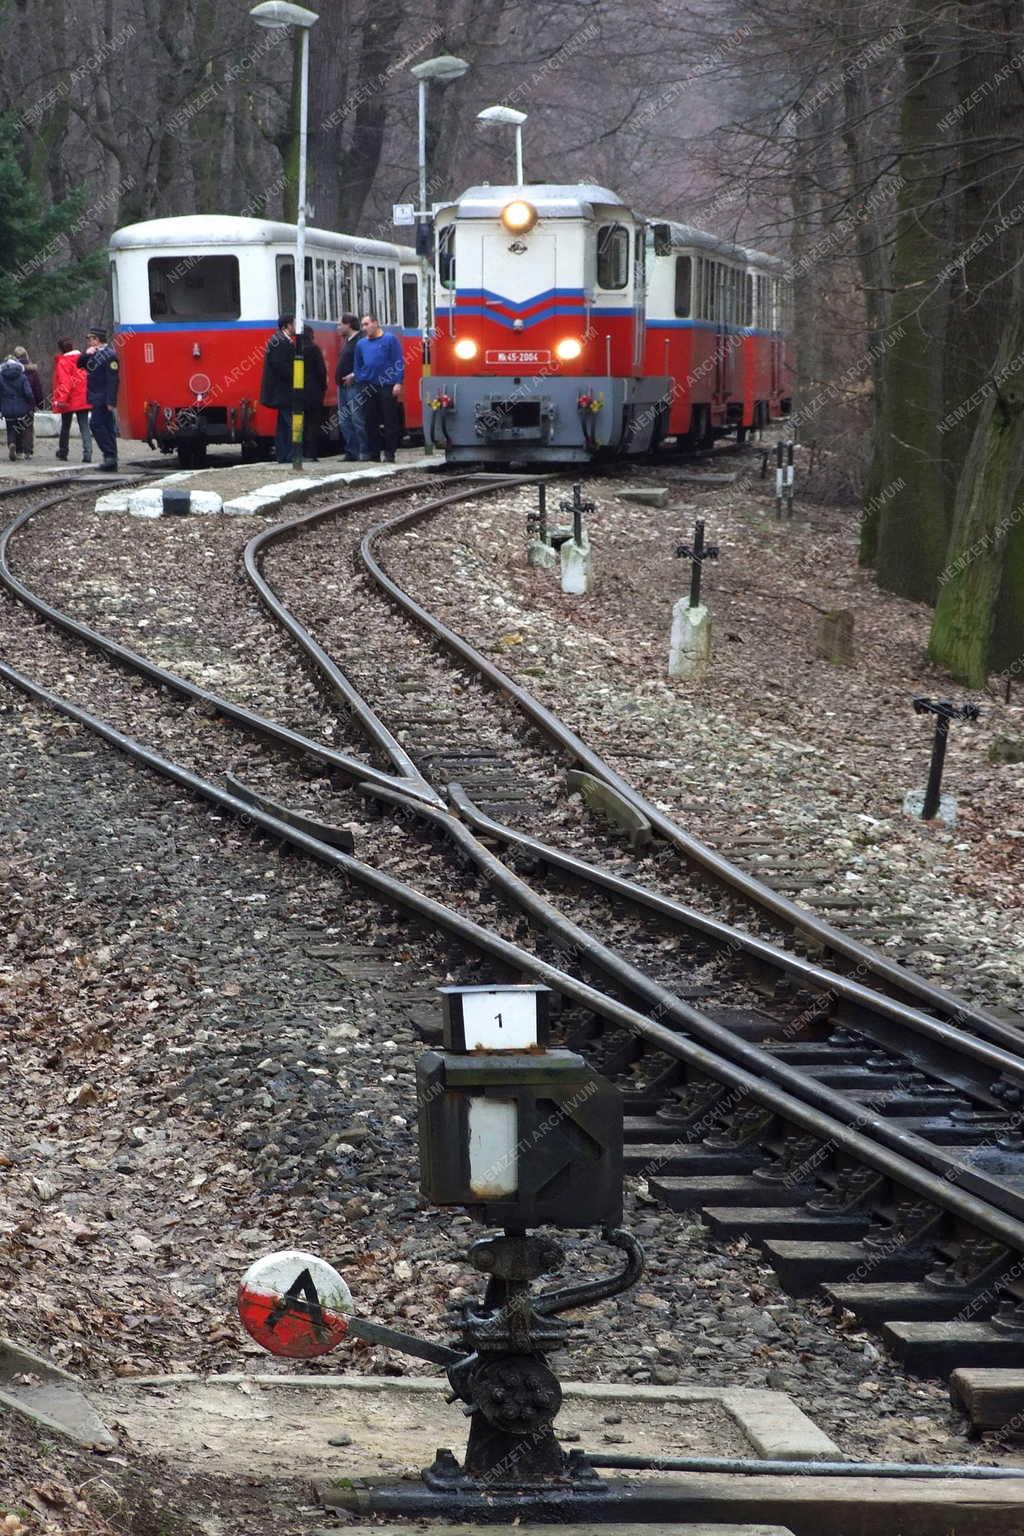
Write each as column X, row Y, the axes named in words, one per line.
column 280, row 14
column 508, row 115
column 444, row 68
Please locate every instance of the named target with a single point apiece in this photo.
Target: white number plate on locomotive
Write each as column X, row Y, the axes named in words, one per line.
column 518, row 359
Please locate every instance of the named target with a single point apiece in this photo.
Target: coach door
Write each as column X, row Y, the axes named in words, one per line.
column 717, row 312
column 640, row 296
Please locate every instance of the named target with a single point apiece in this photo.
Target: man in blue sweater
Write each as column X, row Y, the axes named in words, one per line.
column 380, row 370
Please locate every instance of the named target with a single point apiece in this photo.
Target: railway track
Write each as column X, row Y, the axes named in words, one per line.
column 858, row 1123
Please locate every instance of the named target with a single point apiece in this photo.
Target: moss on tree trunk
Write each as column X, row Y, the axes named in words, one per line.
column 984, row 574
column 908, row 536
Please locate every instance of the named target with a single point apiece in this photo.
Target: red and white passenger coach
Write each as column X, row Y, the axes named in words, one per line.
column 196, row 299
column 568, row 327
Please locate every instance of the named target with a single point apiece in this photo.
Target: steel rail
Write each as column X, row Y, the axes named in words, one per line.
column 717, row 1037
column 697, row 852
column 1000, row 1060
column 610, row 964
column 977, row 1213
column 352, row 768
column 370, row 721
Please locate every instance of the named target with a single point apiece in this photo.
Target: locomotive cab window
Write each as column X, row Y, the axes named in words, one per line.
column 612, row 256
column 446, row 256
column 194, row 288
column 684, row 286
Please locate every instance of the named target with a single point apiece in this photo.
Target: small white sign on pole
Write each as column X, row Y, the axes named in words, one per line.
column 403, row 213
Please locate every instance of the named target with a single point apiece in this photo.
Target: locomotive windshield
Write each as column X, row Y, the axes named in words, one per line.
column 194, row 288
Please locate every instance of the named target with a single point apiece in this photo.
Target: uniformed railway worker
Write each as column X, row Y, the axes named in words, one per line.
column 102, row 378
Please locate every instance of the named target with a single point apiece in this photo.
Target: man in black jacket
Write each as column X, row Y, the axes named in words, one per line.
column 276, row 388
column 350, row 401
column 314, row 387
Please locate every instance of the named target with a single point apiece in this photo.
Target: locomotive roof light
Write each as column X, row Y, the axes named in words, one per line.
column 508, row 115
column 568, row 349
column 466, row 348
column 519, row 216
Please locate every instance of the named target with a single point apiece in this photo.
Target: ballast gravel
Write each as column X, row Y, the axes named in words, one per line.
column 207, row 1045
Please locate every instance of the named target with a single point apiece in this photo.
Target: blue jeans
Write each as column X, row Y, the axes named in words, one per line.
column 283, row 438
column 352, row 422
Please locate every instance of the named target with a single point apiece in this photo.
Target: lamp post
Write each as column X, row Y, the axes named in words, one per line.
column 445, row 67
column 508, row 115
column 280, row 14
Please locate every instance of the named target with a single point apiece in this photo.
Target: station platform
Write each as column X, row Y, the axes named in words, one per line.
column 224, row 472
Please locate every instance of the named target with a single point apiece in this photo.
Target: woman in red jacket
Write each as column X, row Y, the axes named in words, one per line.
column 68, row 398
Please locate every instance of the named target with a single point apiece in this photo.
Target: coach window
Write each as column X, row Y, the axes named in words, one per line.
column 308, row 285
column 382, row 295
column 321, row 288
column 410, row 301
column 194, row 288
column 285, row 285
column 684, row 286
column 393, row 297
column 332, row 291
column 612, row 256
column 446, row 256
column 114, row 298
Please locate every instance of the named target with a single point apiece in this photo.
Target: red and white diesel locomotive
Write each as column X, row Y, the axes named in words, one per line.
column 195, row 300
column 568, row 327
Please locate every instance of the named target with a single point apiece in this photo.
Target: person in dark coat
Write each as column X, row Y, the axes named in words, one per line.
column 17, row 403
column 36, row 386
column 276, row 386
column 102, row 378
column 350, row 399
column 314, row 387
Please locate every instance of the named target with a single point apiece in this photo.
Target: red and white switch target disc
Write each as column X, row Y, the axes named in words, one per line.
column 294, row 1304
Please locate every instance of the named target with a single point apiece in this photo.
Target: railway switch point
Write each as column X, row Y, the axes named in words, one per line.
column 931, row 804
column 520, row 1136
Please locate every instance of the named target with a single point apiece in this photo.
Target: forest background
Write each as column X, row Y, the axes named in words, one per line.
column 878, row 147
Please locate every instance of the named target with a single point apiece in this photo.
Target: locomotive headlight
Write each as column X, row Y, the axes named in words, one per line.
column 568, row 349
column 466, row 348
column 519, row 217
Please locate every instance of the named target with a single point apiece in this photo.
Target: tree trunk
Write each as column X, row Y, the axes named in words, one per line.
column 914, row 523
column 978, row 583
